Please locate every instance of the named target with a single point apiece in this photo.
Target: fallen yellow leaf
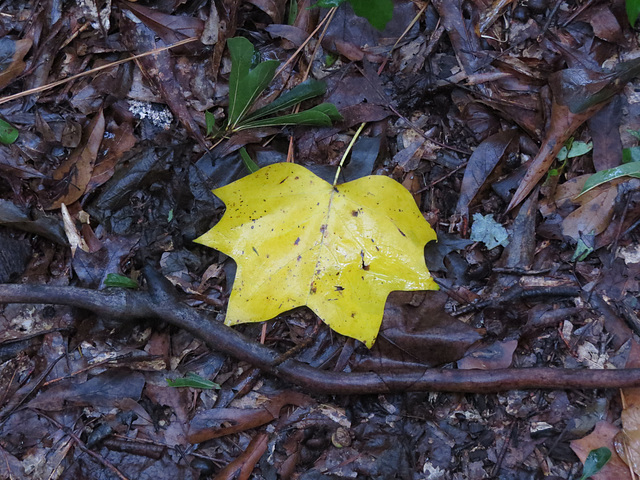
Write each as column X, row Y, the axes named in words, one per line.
column 340, row 250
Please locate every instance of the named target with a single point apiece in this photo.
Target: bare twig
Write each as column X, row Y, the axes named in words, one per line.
column 104, row 462
column 160, row 302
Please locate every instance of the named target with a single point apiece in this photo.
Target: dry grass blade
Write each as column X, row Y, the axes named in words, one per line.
column 57, row 83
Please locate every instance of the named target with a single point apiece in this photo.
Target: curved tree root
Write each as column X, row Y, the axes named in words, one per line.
column 161, row 303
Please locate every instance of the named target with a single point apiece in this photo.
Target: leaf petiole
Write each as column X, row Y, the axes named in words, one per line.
column 346, row 152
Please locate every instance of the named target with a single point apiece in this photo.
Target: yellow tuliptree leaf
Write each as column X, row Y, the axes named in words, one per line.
column 340, row 251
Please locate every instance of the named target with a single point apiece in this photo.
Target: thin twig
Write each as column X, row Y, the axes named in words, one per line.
column 317, row 47
column 57, row 83
column 404, row 34
column 104, row 462
column 304, row 44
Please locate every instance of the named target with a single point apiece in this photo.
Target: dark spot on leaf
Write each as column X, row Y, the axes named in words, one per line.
column 335, row 189
column 299, row 257
column 313, row 287
column 256, row 251
column 284, row 180
column 297, row 241
column 323, row 228
column 339, row 288
column 353, row 314
column 401, row 232
column 354, row 213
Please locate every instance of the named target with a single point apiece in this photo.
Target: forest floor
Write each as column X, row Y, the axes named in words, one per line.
column 493, row 116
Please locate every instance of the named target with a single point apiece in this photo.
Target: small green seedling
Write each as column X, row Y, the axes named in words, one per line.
column 633, row 10
column 193, row 380
column 248, row 162
column 586, row 245
column 117, row 280
column 8, row 133
column 248, row 79
column 377, row 12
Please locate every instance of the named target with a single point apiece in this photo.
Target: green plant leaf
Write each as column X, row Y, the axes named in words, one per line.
column 329, row 109
column 330, row 59
column 8, row 133
column 293, row 12
column 631, row 169
column 329, row 3
column 594, row 462
column 193, row 380
column 584, row 247
column 210, row 121
column 117, row 280
column 631, row 154
column 308, row 117
column 248, row 162
column 306, row 90
column 378, row 12
column 579, row 148
column 635, row 133
column 633, row 10
column 245, row 83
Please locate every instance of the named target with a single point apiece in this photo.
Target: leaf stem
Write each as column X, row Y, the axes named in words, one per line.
column 346, row 152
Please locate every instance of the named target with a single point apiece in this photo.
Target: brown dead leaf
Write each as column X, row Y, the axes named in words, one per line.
column 11, row 467
column 602, row 436
column 416, row 330
column 482, row 165
column 12, row 53
column 604, row 23
column 593, row 217
column 159, row 69
column 489, row 357
column 219, row 422
column 577, row 95
column 627, row 442
column 595, row 207
column 73, row 174
column 605, row 133
column 170, row 28
column 273, row 8
column 119, row 141
column 104, row 390
column 563, row 124
column 14, row 166
column 243, row 465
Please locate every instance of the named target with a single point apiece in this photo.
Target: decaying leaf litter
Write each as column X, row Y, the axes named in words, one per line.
column 469, row 111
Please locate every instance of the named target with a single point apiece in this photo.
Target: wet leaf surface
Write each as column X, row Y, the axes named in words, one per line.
column 342, row 261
